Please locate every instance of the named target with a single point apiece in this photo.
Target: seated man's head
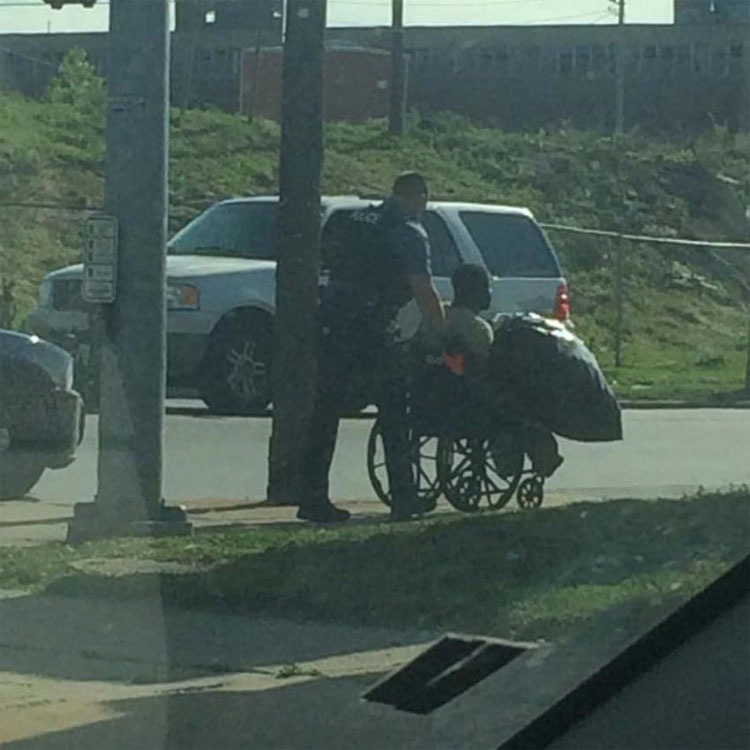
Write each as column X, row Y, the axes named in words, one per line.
column 471, row 287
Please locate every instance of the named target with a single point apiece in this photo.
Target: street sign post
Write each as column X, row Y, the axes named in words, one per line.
column 100, row 259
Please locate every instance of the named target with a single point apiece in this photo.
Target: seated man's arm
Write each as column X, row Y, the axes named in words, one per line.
column 427, row 300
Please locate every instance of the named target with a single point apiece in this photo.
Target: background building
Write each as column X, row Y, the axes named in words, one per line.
column 228, row 15
column 356, row 83
column 679, row 78
column 712, row 11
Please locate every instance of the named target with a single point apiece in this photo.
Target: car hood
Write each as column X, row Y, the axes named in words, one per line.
column 192, row 266
column 53, row 360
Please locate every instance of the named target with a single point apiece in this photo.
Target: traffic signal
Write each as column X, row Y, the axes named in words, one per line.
column 58, row 4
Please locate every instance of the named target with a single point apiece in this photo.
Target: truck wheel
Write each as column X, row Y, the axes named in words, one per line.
column 235, row 376
column 19, row 472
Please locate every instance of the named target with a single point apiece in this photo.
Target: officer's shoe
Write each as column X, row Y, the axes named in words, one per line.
column 408, row 511
column 403, row 514
column 324, row 512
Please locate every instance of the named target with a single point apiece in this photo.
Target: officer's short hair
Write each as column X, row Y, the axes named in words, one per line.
column 468, row 279
column 410, row 183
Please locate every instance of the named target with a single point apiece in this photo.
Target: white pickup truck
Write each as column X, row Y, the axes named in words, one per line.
column 221, row 283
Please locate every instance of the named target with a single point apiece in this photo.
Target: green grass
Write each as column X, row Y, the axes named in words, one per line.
column 528, row 575
column 684, row 318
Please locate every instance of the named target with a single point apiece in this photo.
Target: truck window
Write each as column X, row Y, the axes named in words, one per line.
column 445, row 258
column 511, row 245
column 234, row 230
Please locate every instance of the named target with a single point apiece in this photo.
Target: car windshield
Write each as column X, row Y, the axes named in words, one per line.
column 511, row 245
column 234, row 230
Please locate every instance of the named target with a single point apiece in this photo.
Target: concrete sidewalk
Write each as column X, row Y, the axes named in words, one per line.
column 103, row 675
column 29, row 521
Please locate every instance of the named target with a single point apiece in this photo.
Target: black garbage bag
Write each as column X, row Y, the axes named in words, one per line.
column 554, row 379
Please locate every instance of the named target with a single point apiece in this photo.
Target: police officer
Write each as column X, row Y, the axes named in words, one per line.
column 381, row 261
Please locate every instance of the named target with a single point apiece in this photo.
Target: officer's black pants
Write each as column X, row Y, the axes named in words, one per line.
column 338, row 365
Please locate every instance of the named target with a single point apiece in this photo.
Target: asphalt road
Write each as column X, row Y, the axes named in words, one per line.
column 665, row 453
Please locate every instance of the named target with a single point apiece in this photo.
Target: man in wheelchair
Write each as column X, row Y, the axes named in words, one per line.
column 476, row 404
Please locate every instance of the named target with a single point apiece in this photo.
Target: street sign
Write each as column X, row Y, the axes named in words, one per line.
column 100, row 259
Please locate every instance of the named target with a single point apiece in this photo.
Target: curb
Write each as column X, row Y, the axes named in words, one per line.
column 203, row 412
column 656, row 404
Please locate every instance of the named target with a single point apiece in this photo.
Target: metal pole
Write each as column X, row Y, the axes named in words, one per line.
column 133, row 345
column 398, row 70
column 298, row 245
column 619, row 302
column 747, row 361
column 256, row 68
column 620, row 84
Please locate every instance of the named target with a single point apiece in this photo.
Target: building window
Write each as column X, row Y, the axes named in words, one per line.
column 683, row 57
column 566, row 63
column 648, row 60
column 421, row 57
column 667, row 60
column 518, row 62
column 719, row 63
column 467, row 62
column 583, row 60
column 204, row 64
column 530, row 58
column 485, row 66
column 221, row 62
column 735, row 58
column 633, row 61
column 502, row 62
column 700, row 58
column 598, row 60
column 612, row 58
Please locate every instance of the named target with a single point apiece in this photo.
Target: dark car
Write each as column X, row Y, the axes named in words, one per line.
column 41, row 416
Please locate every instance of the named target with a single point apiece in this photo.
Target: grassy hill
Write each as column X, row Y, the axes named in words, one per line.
column 685, row 324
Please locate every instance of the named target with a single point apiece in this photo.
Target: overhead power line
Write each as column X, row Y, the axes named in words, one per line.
column 30, row 58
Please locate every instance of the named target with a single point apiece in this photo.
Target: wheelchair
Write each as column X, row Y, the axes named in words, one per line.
column 473, row 456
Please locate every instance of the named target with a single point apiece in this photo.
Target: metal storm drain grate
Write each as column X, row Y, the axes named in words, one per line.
column 446, row 669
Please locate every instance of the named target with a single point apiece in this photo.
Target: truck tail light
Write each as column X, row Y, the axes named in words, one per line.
column 562, row 303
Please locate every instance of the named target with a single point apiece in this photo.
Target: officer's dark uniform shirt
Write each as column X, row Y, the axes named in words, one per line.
column 377, row 249
column 409, row 241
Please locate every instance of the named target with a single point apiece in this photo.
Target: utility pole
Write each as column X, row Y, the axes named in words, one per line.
column 619, row 300
column 256, row 68
column 620, row 73
column 398, row 70
column 298, row 246
column 131, row 329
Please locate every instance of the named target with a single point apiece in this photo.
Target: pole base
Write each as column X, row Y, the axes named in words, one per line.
column 91, row 522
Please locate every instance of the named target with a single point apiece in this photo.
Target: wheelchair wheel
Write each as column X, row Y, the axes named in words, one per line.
column 471, row 470
column 531, row 492
column 423, row 462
